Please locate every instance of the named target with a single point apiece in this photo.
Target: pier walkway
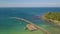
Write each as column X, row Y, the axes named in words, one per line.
column 40, row 28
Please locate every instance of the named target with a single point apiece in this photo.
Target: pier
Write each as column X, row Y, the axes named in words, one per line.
column 35, row 26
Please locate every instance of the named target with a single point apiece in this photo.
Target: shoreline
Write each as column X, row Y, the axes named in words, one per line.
column 55, row 22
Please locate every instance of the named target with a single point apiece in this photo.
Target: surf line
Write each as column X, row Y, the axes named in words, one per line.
column 40, row 28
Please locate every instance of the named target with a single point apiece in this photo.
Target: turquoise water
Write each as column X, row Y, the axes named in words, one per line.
column 13, row 26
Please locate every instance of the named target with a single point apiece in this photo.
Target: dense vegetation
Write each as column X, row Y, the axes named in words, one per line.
column 53, row 15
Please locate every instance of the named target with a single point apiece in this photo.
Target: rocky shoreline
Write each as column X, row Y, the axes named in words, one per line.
column 55, row 22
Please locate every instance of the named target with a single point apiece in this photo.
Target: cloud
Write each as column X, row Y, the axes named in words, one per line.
column 29, row 4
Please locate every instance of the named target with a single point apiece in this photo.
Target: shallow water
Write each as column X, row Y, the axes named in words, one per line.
column 13, row 26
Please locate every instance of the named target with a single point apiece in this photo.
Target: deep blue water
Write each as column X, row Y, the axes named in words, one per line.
column 27, row 13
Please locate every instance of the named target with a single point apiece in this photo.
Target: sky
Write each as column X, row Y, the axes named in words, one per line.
column 29, row 3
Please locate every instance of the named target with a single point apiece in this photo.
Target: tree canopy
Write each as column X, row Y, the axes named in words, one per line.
column 53, row 15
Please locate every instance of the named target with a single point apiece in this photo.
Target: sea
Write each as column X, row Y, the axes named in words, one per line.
column 33, row 14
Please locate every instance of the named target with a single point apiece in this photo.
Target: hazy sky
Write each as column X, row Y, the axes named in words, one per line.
column 29, row 3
